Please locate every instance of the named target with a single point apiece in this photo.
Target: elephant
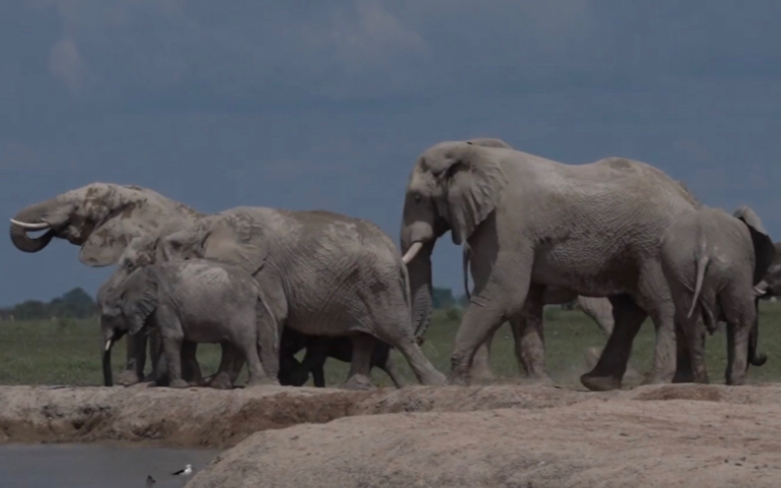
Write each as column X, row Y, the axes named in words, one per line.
column 712, row 262
column 532, row 223
column 198, row 300
column 318, row 350
column 324, row 274
column 101, row 218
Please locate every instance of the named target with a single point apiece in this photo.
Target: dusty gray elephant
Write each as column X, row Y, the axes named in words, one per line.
column 593, row 229
column 324, row 274
column 197, row 300
column 712, row 261
column 102, row 218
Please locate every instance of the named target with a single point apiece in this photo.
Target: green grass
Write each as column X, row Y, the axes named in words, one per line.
column 68, row 351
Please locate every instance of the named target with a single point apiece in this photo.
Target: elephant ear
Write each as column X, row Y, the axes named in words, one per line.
column 236, row 241
column 764, row 249
column 474, row 181
column 133, row 212
column 140, row 298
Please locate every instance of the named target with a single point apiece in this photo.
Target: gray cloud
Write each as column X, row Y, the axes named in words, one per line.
column 305, row 104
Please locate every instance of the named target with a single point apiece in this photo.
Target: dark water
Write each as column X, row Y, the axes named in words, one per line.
column 96, row 465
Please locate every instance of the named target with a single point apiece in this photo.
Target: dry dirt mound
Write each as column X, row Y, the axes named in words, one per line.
column 716, row 437
column 212, row 418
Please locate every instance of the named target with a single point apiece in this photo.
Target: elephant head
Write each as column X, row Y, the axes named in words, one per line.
column 125, row 309
column 454, row 186
column 100, row 217
column 764, row 255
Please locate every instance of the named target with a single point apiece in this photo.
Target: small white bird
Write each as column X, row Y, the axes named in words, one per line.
column 184, row 472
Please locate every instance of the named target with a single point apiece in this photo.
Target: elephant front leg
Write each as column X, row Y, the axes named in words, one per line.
column 135, row 359
column 172, row 338
column 480, row 371
column 191, row 370
column 358, row 377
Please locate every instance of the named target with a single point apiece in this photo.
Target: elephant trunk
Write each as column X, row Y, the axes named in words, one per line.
column 753, row 358
column 30, row 220
column 419, row 269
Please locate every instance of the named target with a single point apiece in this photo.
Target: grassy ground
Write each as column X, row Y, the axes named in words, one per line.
column 68, row 351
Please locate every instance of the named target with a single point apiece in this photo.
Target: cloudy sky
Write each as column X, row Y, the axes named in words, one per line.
column 309, row 104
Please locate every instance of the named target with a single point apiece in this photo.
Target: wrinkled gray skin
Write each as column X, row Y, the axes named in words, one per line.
column 324, row 274
column 318, row 350
column 198, row 301
column 712, row 260
column 101, row 218
column 593, row 229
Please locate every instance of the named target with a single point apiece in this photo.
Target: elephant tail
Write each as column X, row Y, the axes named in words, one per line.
column 700, row 266
column 465, row 265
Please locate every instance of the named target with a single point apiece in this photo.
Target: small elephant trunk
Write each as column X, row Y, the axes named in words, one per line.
column 421, row 290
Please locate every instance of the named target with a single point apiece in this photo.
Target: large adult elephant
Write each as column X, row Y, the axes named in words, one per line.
column 323, row 274
column 102, row 218
column 532, row 223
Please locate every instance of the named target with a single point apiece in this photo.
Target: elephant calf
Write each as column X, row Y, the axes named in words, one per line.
column 318, row 350
column 711, row 261
column 197, row 301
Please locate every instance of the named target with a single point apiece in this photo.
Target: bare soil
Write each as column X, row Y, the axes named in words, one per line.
column 518, row 436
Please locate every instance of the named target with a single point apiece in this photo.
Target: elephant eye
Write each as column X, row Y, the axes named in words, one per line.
column 418, row 198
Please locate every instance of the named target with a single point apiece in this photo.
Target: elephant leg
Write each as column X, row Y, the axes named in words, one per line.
column 191, row 370
column 135, row 359
column 386, row 363
column 231, row 362
column 360, row 366
column 172, row 337
column 486, row 312
column 610, row 368
column 740, row 319
column 291, row 371
column 684, row 372
column 318, row 376
column 155, row 352
column 599, row 310
column 529, row 329
column 480, row 371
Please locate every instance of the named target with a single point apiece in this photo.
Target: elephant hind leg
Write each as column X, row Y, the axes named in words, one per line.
column 740, row 317
column 610, row 368
column 388, row 364
column 529, row 335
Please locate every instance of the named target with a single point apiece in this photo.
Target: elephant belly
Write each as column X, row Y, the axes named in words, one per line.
column 584, row 272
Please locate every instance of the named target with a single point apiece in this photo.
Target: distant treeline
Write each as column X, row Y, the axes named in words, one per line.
column 76, row 304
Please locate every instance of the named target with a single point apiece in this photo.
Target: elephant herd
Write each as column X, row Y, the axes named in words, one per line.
column 619, row 236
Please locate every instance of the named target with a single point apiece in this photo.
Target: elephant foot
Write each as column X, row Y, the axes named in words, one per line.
column 127, row 378
column 180, row 383
column 458, row 380
column 540, row 380
column 220, row 381
column 600, row 383
column 358, row 382
column 434, row 378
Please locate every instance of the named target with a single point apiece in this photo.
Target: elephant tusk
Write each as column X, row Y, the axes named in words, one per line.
column 761, row 288
column 28, row 226
column 412, row 252
column 108, row 345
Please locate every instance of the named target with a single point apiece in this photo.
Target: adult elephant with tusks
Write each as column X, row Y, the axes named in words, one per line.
column 323, row 274
column 532, row 223
column 101, row 218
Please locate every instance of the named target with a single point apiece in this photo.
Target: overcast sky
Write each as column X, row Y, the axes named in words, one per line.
column 312, row 104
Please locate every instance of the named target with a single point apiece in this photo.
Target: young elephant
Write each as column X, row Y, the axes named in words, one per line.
column 318, row 350
column 712, row 261
column 198, row 301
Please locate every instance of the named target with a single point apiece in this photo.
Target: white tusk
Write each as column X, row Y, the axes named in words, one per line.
column 760, row 288
column 25, row 225
column 108, row 345
column 412, row 252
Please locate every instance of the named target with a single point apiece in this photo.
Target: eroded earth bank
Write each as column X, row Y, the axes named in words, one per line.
column 490, row 436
